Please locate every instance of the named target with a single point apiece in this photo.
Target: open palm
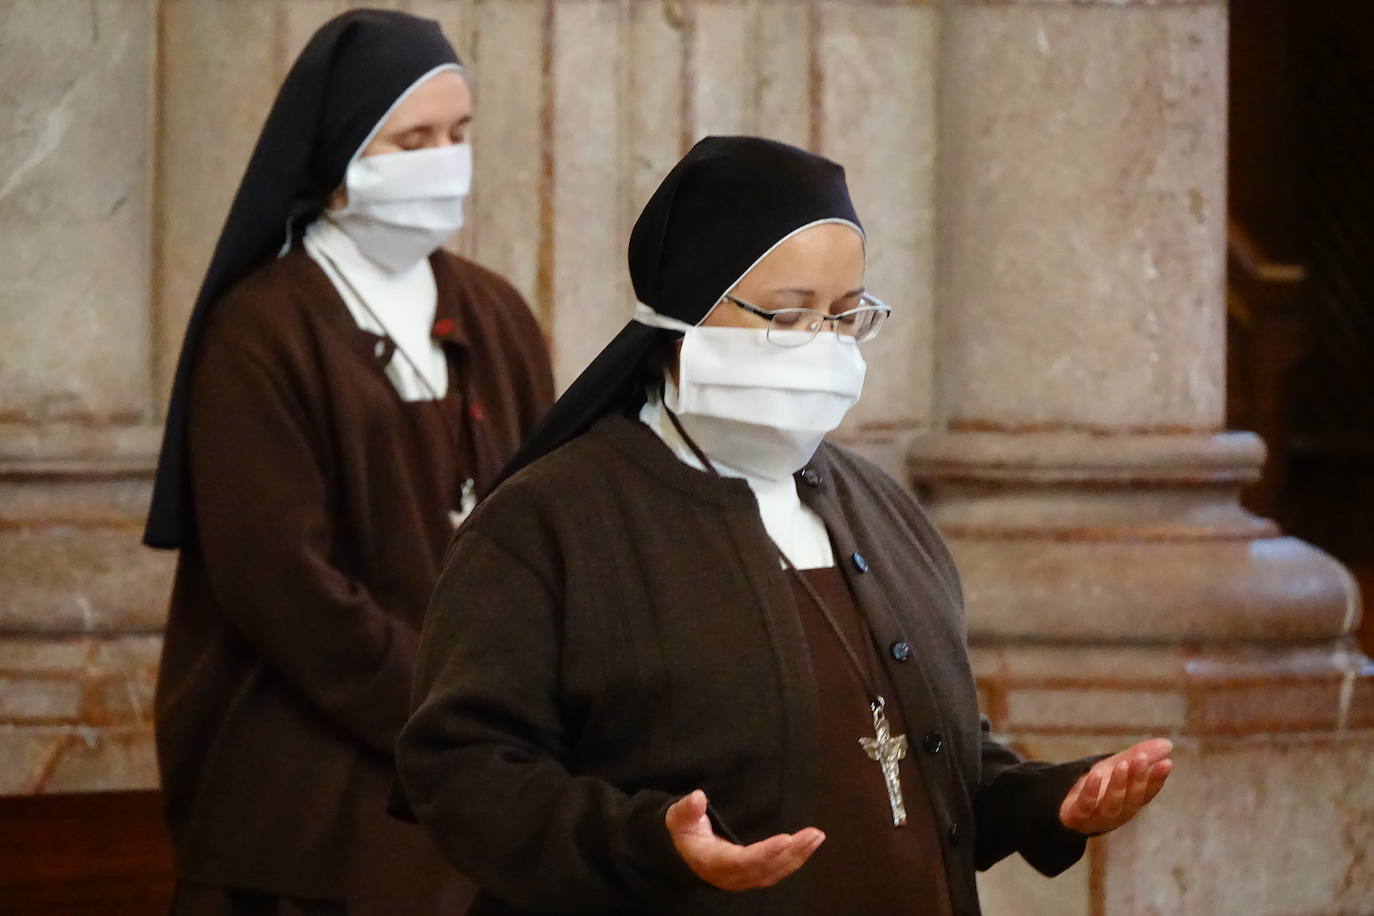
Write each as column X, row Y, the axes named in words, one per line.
column 1115, row 789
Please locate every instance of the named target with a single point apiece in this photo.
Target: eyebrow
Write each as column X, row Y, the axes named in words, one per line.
column 811, row 293
column 427, row 125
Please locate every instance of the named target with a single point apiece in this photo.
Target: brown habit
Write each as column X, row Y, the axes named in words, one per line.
column 612, row 630
column 865, row 865
column 321, row 515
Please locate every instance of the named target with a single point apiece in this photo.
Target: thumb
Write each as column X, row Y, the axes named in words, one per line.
column 686, row 812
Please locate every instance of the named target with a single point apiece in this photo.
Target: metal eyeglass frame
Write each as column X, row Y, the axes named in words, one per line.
column 871, row 304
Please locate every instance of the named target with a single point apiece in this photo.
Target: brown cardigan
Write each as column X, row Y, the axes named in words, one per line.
column 321, row 504
column 612, row 630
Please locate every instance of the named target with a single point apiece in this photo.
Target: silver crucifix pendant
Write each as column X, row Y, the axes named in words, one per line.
column 887, row 749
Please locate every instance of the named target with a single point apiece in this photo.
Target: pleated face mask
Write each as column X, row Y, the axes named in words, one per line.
column 403, row 206
column 760, row 407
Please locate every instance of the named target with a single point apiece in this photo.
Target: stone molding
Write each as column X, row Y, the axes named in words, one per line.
column 1122, row 3
column 76, row 713
column 1198, row 691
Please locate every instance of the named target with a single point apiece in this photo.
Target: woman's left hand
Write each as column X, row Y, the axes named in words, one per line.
column 1117, row 787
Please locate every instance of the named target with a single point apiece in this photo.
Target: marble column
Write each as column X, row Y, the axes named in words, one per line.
column 1080, row 467
column 80, row 601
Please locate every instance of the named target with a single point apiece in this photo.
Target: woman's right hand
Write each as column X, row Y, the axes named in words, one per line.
column 730, row 866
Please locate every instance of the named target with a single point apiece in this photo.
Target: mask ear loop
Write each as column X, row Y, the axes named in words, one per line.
column 645, row 315
column 677, row 425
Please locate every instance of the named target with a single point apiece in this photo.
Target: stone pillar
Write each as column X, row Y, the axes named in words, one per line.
column 1080, row 468
column 80, row 601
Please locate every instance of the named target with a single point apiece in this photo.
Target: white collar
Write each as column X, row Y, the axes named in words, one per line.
column 398, row 306
column 794, row 527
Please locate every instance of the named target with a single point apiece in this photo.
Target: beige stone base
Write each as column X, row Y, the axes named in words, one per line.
column 76, row 714
column 1270, row 825
column 1269, row 811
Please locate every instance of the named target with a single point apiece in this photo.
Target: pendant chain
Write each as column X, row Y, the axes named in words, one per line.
column 862, row 671
column 466, row 486
column 884, row 748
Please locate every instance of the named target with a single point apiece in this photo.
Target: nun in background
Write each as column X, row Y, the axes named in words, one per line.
column 687, row 649
column 346, row 390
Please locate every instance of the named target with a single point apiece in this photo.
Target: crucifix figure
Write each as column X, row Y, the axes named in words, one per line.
column 887, row 749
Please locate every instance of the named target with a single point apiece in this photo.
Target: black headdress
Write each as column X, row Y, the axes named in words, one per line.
column 346, row 80
column 722, row 208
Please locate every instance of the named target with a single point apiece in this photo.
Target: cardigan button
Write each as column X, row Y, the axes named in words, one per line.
column 900, row 650
column 933, row 742
column 859, row 563
column 955, row 834
column 811, row 477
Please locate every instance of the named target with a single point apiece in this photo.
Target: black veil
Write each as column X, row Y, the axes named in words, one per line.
column 347, row 79
column 725, row 205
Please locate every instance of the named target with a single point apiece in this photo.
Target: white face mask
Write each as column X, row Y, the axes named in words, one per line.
column 402, row 206
column 758, row 407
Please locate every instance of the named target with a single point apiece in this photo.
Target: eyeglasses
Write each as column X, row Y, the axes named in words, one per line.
column 794, row 327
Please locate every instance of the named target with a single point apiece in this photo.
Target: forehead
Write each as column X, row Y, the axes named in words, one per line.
column 442, row 98
column 823, row 250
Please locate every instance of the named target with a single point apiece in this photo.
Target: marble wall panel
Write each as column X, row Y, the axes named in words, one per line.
column 1083, row 223
column 75, row 205
column 876, row 66
column 589, row 297
column 1269, row 830
column 506, row 214
column 220, row 67
column 75, row 578
column 76, row 713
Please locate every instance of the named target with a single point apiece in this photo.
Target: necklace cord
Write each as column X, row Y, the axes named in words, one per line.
column 863, row 672
column 449, row 423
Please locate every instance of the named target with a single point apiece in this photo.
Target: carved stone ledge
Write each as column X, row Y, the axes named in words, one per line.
column 1119, row 539
column 1177, row 690
column 74, row 450
column 1092, row 2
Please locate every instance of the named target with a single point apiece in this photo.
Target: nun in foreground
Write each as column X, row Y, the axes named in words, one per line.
column 689, row 658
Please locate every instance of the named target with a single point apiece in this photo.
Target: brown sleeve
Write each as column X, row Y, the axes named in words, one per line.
column 264, row 531
column 1016, row 809
column 482, row 759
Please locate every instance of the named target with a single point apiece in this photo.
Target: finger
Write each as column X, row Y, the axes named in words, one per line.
column 1092, row 790
column 686, row 814
column 801, row 849
column 1071, row 809
column 716, row 861
column 763, row 856
column 1115, row 796
column 1155, row 749
column 1139, row 784
column 736, row 868
column 1158, row 774
column 1075, row 806
column 1095, row 816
